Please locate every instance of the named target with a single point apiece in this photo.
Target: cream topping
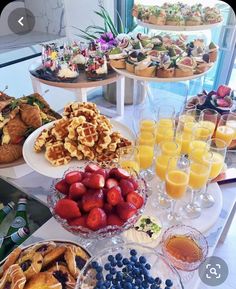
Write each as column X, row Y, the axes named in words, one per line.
column 67, row 72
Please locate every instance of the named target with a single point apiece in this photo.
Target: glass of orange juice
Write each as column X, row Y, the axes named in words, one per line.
column 176, row 183
column 146, row 138
column 165, row 130
column 201, row 134
column 224, row 130
column 184, row 136
column 216, row 157
column 128, row 158
column 209, row 118
column 231, row 122
column 165, row 112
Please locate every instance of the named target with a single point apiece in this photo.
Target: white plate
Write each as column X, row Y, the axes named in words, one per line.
column 178, row 28
column 38, row 162
column 128, row 74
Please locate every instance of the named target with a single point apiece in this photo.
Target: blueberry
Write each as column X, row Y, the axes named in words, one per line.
column 129, row 267
column 110, row 258
column 99, row 276
column 133, row 259
column 169, row 283
column 107, row 266
column 142, row 260
column 128, row 285
column 109, row 277
column 128, row 279
column 118, row 257
column 120, row 264
column 94, row 264
column 107, row 284
column 113, row 263
column 148, row 266
column 125, row 261
column 158, row 281
column 133, row 252
column 99, row 269
column 99, row 283
column 151, row 280
column 124, row 270
column 145, row 284
column 119, row 276
column 154, row 286
column 113, row 271
column 167, row 287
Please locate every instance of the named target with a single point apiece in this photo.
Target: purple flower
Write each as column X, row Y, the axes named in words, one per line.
column 106, row 41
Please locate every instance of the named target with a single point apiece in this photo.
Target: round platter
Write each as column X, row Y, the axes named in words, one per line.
column 179, row 28
column 16, row 163
column 208, row 217
column 125, row 73
column 38, row 162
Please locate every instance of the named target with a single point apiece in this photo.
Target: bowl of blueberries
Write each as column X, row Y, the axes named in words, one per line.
column 129, row 266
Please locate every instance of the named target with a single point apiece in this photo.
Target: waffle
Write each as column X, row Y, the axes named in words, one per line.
column 87, row 151
column 102, row 120
column 87, row 134
column 76, row 121
column 103, row 142
column 115, row 140
column 72, row 148
column 57, row 155
column 107, row 157
column 60, row 129
column 41, row 141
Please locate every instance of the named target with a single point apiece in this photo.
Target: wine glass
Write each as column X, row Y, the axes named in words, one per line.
column 216, row 157
column 224, row 130
column 128, row 158
column 165, row 112
column 201, row 134
column 165, row 130
column 176, row 182
column 167, row 149
column 208, row 118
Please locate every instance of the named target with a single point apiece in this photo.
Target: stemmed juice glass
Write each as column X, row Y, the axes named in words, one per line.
column 224, row 130
column 216, row 157
column 184, row 136
column 231, row 122
column 176, row 183
column 208, row 118
column 167, row 149
column 165, row 123
column 200, row 136
column 128, row 158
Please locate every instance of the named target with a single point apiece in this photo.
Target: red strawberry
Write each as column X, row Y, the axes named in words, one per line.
column 125, row 210
column 102, row 172
column 96, row 219
column 107, row 208
column 223, row 90
column 126, row 187
column 86, row 175
column 77, row 190
column 134, row 182
column 91, row 168
column 135, row 199
column 95, row 181
column 67, row 209
column 95, row 191
column 114, row 196
column 222, row 102
column 105, row 191
column 119, row 173
column 73, row 177
column 81, row 221
column 111, row 183
column 114, row 220
column 90, row 201
column 62, row 187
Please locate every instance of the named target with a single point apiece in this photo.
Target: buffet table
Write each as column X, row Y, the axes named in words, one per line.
column 38, row 186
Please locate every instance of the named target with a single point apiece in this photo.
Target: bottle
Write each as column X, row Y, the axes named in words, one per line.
column 20, row 220
column 8, row 243
column 6, row 210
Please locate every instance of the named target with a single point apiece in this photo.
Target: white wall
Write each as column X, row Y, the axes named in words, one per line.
column 80, row 14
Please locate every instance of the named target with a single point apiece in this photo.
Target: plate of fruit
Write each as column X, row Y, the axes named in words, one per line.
column 97, row 202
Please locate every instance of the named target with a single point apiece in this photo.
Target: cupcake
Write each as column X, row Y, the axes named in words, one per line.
column 174, row 16
column 166, row 68
column 133, row 58
column 212, row 15
column 213, row 51
column 117, row 58
column 157, row 16
column 147, row 231
column 185, row 67
column 145, row 68
column 96, row 67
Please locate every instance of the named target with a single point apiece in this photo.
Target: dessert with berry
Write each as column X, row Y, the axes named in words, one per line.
column 185, row 67
column 146, row 68
column 117, row 57
column 96, row 67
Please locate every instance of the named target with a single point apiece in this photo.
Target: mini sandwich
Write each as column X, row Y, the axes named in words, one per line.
column 145, row 68
column 203, row 63
column 117, row 58
column 193, row 19
column 157, row 16
column 174, row 16
column 185, row 67
column 166, row 68
column 212, row 15
column 132, row 60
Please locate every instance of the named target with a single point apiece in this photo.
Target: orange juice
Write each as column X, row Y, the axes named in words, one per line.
column 170, row 148
column 198, row 175
column 128, row 164
column 202, row 133
column 184, row 140
column 145, row 156
column 176, row 183
column 198, row 144
column 165, row 122
column 147, row 125
column 197, row 154
column 188, row 122
column 146, row 138
column 164, row 133
column 225, row 133
column 232, row 123
column 208, row 124
column 217, row 164
column 161, row 166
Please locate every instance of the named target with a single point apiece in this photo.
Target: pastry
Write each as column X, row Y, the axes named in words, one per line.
column 213, row 51
column 157, row 16
column 10, row 153
column 185, row 67
column 13, row 278
column 31, row 264
column 56, row 154
column 117, row 58
column 212, row 15
column 165, row 72
column 145, row 68
column 132, row 60
column 11, row 259
column 76, row 259
column 30, row 115
column 16, row 129
column 54, row 255
column 62, row 274
column 43, row 280
column 42, row 248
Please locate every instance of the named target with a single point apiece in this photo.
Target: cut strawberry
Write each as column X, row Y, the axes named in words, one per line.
column 90, row 201
column 114, row 220
column 111, row 183
column 67, row 209
column 222, row 102
column 135, row 199
column 126, row 187
column 134, row 182
column 105, row 191
column 95, row 181
column 73, row 177
column 62, row 187
column 96, row 219
column 91, row 168
column 119, row 173
column 108, row 208
column 81, row 221
column 125, row 210
column 77, row 190
column 86, row 175
column 114, row 196
column 103, row 172
column 223, row 90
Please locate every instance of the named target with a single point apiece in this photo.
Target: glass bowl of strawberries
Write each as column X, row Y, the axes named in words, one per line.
column 97, row 202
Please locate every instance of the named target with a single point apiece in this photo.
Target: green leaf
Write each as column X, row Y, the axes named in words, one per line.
column 132, row 28
column 86, row 33
column 122, row 29
column 95, row 27
column 109, row 21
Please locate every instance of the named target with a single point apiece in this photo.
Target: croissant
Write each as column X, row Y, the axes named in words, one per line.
column 16, row 129
column 10, row 153
column 30, row 115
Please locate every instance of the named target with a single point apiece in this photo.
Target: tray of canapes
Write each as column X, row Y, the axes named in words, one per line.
column 162, row 57
column 19, row 117
column 82, row 134
column 47, row 264
column 178, row 16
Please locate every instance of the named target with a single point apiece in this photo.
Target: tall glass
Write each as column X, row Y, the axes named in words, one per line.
column 128, row 158
column 224, row 131
column 176, row 183
column 231, row 122
column 209, row 118
column 184, row 136
column 165, row 112
column 216, row 157
column 200, row 136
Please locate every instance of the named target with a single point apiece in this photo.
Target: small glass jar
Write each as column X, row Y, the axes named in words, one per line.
column 96, row 67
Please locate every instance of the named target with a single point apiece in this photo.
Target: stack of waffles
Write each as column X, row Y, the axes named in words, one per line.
column 83, row 133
